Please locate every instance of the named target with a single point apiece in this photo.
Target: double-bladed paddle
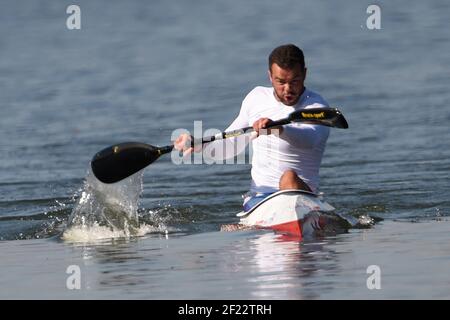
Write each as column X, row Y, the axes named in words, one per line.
column 120, row 161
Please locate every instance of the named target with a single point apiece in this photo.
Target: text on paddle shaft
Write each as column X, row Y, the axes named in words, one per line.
column 226, row 309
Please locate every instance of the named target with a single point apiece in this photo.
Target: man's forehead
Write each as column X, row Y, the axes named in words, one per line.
column 284, row 76
column 287, row 74
column 279, row 72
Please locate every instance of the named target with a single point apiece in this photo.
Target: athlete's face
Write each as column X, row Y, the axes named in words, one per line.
column 287, row 83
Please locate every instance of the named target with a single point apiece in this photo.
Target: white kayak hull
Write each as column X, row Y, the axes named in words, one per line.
column 294, row 212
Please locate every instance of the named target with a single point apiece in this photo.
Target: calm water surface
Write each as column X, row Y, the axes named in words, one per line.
column 138, row 70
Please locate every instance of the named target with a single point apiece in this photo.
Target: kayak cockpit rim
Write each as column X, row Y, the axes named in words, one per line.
column 286, row 191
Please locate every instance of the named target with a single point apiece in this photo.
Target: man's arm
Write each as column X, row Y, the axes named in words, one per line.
column 220, row 149
column 305, row 136
column 231, row 147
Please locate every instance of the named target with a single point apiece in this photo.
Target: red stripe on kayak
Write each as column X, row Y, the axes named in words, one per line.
column 293, row 227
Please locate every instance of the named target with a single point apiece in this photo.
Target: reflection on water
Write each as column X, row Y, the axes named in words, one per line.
column 283, row 266
column 242, row 265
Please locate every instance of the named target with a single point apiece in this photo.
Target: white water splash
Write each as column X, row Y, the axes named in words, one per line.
column 95, row 233
column 106, row 210
column 365, row 221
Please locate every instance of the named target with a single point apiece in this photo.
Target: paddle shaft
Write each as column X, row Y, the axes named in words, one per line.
column 226, row 135
column 238, row 132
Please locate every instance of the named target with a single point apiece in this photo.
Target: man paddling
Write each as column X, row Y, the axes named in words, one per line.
column 287, row 158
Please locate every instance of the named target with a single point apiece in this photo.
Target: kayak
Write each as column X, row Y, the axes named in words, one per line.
column 296, row 212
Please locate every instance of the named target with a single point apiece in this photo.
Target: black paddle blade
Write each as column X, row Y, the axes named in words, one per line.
column 120, row 161
column 330, row 117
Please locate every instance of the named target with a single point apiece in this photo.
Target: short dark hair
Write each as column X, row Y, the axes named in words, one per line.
column 287, row 57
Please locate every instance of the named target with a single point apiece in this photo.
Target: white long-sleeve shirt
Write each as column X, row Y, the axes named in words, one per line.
column 299, row 147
